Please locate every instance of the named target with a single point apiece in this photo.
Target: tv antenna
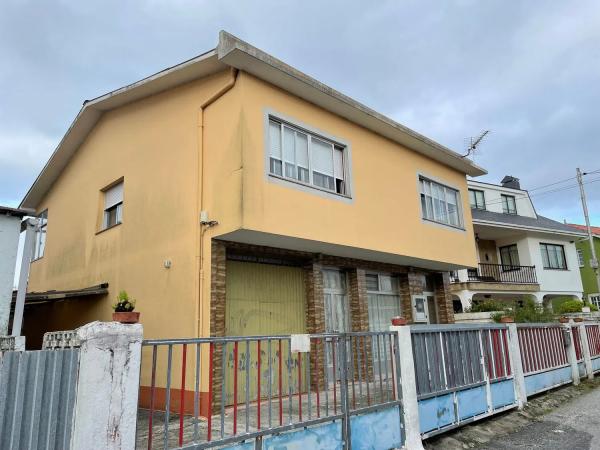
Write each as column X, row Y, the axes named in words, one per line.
column 474, row 142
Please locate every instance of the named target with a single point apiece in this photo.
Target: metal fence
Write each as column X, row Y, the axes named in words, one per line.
column 449, row 358
column 593, row 337
column 37, row 398
column 542, row 347
column 256, row 386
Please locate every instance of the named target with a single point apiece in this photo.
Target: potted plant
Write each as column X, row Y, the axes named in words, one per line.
column 124, row 309
column 399, row 321
column 507, row 319
column 578, row 319
column 563, row 319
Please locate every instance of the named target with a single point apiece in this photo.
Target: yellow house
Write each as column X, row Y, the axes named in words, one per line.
column 234, row 195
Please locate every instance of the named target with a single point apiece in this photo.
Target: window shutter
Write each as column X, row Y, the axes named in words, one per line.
column 338, row 161
column 301, row 150
column 113, row 195
column 275, row 139
column 322, row 157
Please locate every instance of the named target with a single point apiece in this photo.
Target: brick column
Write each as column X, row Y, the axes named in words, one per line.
column 443, row 298
column 218, row 276
column 359, row 319
column 359, row 307
column 411, row 283
column 315, row 322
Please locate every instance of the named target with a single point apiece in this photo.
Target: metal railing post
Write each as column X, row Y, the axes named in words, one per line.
column 514, row 350
column 585, row 349
column 569, row 342
column 408, row 386
column 343, row 365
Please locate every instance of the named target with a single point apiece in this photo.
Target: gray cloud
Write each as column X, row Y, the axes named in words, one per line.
column 446, row 69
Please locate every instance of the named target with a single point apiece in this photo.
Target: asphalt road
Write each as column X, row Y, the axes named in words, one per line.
column 573, row 426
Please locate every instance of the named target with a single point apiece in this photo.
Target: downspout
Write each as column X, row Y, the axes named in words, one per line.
column 200, row 196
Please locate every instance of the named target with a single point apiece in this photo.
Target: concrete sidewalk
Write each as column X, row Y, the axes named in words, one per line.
column 565, row 418
column 574, row 426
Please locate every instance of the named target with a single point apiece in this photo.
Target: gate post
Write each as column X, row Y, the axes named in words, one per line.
column 571, row 355
column 107, row 391
column 408, row 389
column 514, row 351
column 585, row 349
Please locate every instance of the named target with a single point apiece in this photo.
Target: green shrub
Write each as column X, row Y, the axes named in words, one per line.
column 591, row 306
column 528, row 312
column 488, row 306
column 570, row 306
column 124, row 303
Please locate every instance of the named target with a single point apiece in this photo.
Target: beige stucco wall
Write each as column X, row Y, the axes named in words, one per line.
column 384, row 214
column 153, row 144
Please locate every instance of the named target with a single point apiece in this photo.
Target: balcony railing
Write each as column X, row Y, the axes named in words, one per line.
column 502, row 273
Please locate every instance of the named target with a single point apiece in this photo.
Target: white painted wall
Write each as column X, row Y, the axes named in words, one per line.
column 493, row 200
column 557, row 281
column 10, row 227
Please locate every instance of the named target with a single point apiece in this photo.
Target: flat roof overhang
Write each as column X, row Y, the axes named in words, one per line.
column 495, row 230
column 36, row 298
column 307, row 246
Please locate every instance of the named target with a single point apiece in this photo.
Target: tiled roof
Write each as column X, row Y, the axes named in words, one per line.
column 595, row 230
column 512, row 219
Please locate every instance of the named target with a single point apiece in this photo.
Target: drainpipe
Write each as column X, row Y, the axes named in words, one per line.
column 200, row 196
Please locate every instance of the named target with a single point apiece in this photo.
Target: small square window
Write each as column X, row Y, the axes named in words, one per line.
column 113, row 206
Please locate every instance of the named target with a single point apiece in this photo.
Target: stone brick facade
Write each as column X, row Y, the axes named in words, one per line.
column 412, row 281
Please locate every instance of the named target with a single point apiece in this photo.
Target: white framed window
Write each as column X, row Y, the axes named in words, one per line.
column 509, row 204
column 580, row 258
column 477, row 199
column 383, row 296
column 553, row 256
column 594, row 299
column 440, row 203
column 113, row 206
column 40, row 235
column 303, row 157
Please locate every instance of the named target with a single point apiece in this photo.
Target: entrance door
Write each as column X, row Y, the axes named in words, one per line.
column 424, row 308
column 420, row 313
column 337, row 308
column 262, row 299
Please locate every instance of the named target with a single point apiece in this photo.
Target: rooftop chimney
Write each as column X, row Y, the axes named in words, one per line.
column 511, row 182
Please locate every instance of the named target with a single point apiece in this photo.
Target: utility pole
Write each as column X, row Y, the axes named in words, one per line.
column 594, row 262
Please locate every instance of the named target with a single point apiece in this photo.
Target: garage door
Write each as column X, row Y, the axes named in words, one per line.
column 262, row 299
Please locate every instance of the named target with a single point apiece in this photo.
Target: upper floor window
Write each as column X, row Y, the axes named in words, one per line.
column 40, row 235
column 477, row 199
column 299, row 156
column 113, row 205
column 509, row 205
column 509, row 257
column 580, row 258
column 553, row 256
column 440, row 203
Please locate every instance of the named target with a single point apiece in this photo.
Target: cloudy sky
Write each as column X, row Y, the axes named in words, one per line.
column 528, row 71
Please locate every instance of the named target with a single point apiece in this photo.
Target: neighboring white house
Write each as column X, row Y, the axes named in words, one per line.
column 520, row 252
column 10, row 228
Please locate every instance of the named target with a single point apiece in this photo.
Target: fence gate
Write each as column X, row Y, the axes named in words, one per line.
column 37, row 398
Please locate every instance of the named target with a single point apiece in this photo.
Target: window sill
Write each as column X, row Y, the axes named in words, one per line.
column 454, row 227
column 108, row 228
column 561, row 270
column 309, row 186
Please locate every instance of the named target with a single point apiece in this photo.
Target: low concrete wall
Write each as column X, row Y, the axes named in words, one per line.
column 478, row 317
